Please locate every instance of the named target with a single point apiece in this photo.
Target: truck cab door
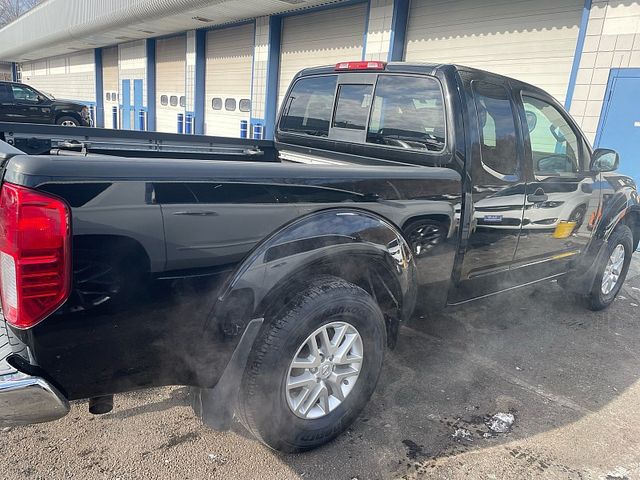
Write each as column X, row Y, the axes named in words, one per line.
column 562, row 195
column 493, row 215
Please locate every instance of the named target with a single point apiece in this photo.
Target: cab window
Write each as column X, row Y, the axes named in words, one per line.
column 408, row 113
column 497, row 129
column 309, row 106
column 554, row 145
column 24, row 94
column 352, row 107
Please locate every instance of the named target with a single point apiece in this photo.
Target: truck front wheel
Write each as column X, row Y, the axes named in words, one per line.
column 612, row 269
column 314, row 367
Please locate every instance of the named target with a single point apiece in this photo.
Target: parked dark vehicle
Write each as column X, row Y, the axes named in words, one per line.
column 272, row 276
column 24, row 104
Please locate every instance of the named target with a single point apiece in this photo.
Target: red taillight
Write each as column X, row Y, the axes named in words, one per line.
column 373, row 65
column 35, row 255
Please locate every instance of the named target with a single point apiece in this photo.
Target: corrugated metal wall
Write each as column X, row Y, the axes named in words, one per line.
column 170, row 81
column 228, row 81
column 69, row 77
column 531, row 41
column 110, row 79
column 320, row 38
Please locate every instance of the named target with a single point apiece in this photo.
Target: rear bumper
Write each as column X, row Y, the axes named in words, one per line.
column 25, row 399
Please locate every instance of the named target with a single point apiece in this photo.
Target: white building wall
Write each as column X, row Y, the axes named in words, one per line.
column 190, row 70
column 110, row 84
column 379, row 30
column 228, row 78
column 170, row 81
column 260, row 63
column 132, row 65
column 533, row 41
column 69, row 77
column 612, row 41
column 320, row 38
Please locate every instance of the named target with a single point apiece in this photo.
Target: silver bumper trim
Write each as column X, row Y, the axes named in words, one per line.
column 25, row 399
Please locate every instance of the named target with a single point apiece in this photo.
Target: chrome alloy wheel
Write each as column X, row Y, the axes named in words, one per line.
column 324, row 370
column 68, row 123
column 613, row 270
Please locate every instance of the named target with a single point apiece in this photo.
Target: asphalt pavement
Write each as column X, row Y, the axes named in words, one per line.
column 568, row 377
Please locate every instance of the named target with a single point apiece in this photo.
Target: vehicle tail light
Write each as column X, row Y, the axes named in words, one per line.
column 35, row 254
column 373, row 65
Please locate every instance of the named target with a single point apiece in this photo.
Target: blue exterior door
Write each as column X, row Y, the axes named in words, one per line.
column 126, row 104
column 620, row 123
column 137, row 104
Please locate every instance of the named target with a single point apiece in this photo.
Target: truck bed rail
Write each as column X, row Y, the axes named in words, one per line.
column 35, row 139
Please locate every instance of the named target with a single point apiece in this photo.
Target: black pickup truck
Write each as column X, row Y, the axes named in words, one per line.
column 272, row 276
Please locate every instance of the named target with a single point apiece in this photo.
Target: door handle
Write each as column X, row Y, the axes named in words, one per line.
column 538, row 196
column 197, row 213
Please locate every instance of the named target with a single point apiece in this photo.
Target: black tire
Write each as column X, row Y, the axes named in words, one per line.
column 578, row 216
column 68, row 120
column 262, row 404
column 622, row 235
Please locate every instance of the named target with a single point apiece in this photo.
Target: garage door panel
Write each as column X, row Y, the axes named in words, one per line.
column 170, row 80
column 320, row 38
column 532, row 41
column 229, row 74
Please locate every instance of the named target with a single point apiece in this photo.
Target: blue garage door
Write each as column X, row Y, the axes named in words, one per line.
column 620, row 123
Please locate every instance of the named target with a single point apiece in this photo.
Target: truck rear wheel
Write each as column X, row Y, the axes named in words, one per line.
column 613, row 268
column 314, row 367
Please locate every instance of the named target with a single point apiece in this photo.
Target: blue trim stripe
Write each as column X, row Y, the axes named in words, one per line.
column 99, row 115
column 273, row 68
column 200, row 80
column 151, row 84
column 398, row 37
column 578, row 54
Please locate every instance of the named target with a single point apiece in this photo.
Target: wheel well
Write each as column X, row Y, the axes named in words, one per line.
column 374, row 278
column 117, row 245
column 68, row 114
column 440, row 218
column 632, row 220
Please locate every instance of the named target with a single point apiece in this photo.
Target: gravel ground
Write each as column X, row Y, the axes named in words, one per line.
column 567, row 375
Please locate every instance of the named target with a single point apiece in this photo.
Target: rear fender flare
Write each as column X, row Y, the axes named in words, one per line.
column 310, row 241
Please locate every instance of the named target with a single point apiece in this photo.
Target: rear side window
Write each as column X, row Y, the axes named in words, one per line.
column 309, row 106
column 497, row 122
column 408, row 112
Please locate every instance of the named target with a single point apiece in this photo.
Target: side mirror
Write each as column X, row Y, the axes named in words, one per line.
column 605, row 160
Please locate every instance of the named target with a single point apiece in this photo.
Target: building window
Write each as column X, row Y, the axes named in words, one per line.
column 216, row 103
column 230, row 104
column 164, row 100
column 245, row 105
column 173, row 101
